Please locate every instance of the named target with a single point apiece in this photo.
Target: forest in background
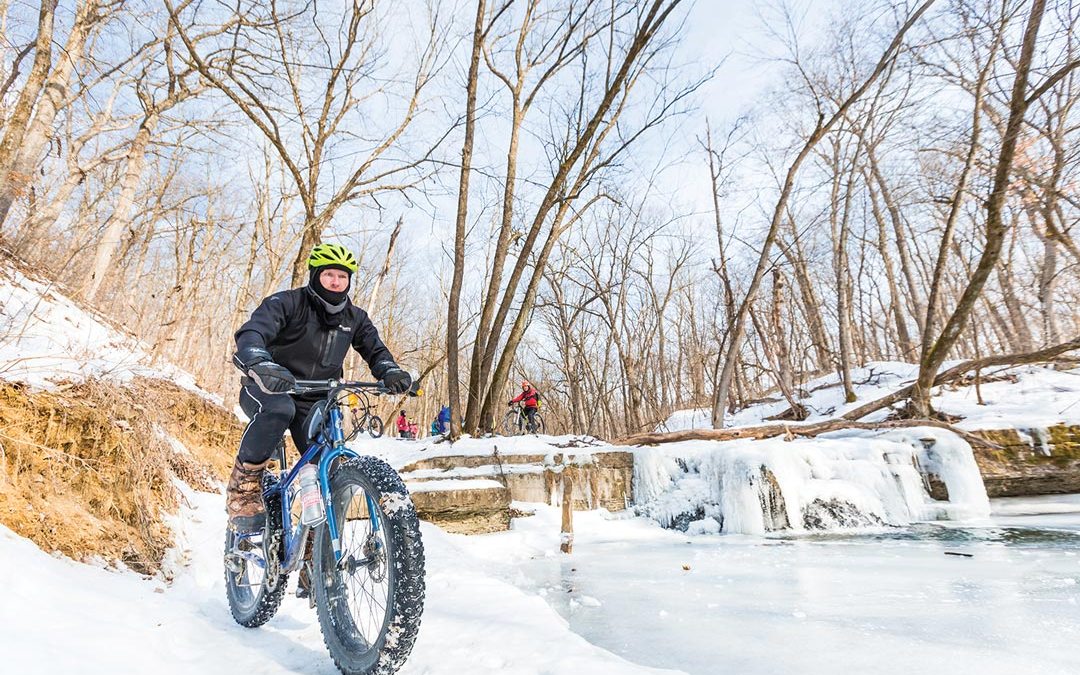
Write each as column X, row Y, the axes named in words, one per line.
column 520, row 180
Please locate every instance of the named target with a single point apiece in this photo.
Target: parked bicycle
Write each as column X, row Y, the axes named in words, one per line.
column 362, row 416
column 367, row 563
column 516, row 422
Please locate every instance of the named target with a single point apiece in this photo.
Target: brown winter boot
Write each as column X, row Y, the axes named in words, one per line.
column 243, row 497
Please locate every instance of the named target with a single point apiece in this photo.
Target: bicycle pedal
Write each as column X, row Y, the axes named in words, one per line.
column 234, row 563
column 305, row 594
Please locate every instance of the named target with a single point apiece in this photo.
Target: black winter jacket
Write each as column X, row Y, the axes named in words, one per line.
column 287, row 325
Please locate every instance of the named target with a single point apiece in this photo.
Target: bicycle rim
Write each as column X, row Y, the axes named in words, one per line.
column 364, row 580
column 246, row 584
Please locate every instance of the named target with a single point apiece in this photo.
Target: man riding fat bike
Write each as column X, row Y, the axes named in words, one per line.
column 300, row 333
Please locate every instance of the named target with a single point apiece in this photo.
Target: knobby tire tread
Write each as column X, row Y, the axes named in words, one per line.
column 397, row 637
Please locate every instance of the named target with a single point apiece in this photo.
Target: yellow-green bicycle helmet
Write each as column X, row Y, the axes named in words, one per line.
column 331, row 254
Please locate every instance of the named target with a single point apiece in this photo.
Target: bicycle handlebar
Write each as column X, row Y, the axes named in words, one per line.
column 319, row 386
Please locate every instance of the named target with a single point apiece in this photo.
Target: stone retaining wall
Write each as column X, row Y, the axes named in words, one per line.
column 605, row 481
column 1031, row 461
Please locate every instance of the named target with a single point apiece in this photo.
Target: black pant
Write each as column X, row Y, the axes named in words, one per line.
column 530, row 415
column 271, row 415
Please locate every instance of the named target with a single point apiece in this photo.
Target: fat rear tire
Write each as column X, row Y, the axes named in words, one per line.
column 253, row 606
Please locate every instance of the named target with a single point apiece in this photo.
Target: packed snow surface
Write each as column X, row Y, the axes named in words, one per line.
column 996, row 596
column 111, row 621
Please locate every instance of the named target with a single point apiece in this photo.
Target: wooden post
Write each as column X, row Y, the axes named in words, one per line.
column 566, row 544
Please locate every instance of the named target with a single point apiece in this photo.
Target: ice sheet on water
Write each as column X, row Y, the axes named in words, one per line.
column 850, row 479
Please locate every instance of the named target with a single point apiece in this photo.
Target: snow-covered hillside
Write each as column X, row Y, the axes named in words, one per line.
column 46, row 338
column 1029, row 396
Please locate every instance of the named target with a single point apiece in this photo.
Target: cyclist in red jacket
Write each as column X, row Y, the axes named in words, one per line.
column 529, row 398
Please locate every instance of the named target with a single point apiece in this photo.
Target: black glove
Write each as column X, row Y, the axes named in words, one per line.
column 271, row 378
column 248, row 356
column 397, row 380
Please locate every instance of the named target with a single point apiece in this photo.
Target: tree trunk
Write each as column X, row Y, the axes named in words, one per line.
column 896, row 300
column 452, row 315
column 385, row 270
column 995, row 224
column 120, row 220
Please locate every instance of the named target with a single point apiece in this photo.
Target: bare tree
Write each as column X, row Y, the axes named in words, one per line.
column 936, row 351
column 452, row 326
column 821, row 128
column 581, row 157
column 298, row 74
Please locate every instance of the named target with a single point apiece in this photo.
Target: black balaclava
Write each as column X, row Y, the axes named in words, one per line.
column 329, row 304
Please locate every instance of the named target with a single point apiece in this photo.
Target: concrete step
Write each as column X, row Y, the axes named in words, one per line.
column 458, row 492
column 463, row 506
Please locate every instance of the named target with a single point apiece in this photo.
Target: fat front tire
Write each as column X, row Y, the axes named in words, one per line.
column 375, row 426
column 255, row 592
column 370, row 605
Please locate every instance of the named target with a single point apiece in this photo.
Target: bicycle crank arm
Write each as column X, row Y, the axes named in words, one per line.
column 233, row 560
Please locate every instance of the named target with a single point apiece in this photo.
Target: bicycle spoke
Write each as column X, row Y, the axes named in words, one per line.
column 366, row 597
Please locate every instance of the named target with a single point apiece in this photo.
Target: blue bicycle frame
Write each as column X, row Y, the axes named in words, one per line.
column 327, row 449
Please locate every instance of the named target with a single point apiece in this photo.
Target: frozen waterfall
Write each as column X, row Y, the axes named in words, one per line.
column 843, row 479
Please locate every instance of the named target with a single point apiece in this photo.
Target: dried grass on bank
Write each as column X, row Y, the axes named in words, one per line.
column 87, row 470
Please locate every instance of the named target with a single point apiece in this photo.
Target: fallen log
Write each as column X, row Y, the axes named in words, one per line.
column 790, row 431
column 961, row 369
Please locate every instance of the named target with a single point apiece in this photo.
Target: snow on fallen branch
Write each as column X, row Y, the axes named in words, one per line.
column 790, row 431
column 961, row 369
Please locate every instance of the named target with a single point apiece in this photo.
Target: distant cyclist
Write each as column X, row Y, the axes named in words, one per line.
column 529, row 399
column 300, row 333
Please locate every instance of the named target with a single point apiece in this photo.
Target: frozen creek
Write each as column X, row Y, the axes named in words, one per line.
column 997, row 595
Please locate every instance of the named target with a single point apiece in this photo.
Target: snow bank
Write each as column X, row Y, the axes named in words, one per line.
column 46, row 338
column 849, row 479
column 401, row 452
column 455, row 484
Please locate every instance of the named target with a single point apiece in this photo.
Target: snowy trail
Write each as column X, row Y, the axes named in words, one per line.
column 61, row 616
